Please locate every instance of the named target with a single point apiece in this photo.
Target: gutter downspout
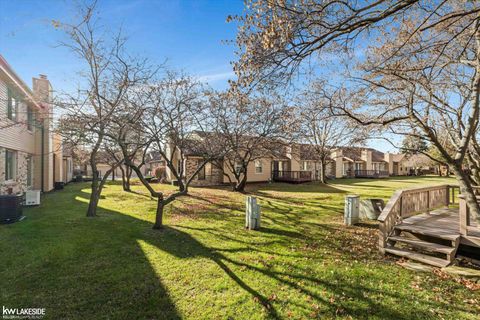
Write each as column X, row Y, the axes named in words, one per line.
column 42, row 174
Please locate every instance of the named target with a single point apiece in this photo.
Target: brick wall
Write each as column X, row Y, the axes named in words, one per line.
column 19, row 183
column 213, row 175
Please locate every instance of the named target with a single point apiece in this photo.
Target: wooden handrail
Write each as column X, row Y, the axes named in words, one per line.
column 464, row 214
column 405, row 203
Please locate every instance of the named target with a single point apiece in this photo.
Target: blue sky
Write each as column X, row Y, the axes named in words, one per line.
column 188, row 33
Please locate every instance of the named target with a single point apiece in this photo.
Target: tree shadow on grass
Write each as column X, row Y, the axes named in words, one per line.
column 182, row 245
column 78, row 267
column 311, row 187
column 100, row 262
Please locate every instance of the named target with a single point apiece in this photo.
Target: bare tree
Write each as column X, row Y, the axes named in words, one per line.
column 321, row 130
column 161, row 117
column 473, row 159
column 420, row 78
column 248, row 128
column 275, row 37
column 109, row 73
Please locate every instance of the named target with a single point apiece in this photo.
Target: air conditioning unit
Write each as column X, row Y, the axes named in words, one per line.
column 32, row 197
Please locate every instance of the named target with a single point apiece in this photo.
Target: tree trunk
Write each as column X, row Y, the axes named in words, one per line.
column 439, row 170
column 322, row 172
column 92, row 204
column 159, row 215
column 476, row 176
column 181, row 185
column 95, row 194
column 125, row 181
column 240, row 185
column 475, row 169
column 467, row 190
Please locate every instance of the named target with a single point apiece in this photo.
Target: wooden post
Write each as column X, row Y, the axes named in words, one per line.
column 382, row 237
column 464, row 215
column 447, row 200
column 428, row 200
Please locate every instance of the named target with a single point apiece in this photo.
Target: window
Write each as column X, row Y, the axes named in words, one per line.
column 201, row 173
column 29, row 171
column 378, row 166
column 304, row 166
column 258, row 166
column 238, row 167
column 10, row 165
column 179, row 166
column 358, row 166
column 11, row 106
column 30, row 119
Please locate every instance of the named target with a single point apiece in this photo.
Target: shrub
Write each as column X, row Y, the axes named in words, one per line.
column 160, row 172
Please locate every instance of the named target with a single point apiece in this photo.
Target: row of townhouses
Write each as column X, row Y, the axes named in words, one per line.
column 296, row 163
column 33, row 157
column 31, row 154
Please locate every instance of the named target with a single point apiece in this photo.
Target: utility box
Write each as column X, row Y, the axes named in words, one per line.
column 32, row 197
column 371, row 208
column 10, row 208
column 252, row 214
column 351, row 214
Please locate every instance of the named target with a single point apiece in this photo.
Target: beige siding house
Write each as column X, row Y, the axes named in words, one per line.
column 297, row 164
column 30, row 156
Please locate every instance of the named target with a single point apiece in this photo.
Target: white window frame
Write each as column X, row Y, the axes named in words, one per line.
column 258, row 165
column 305, row 166
column 358, row 166
column 12, row 105
column 14, row 169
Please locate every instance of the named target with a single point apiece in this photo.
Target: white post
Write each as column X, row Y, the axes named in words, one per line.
column 351, row 213
column 252, row 214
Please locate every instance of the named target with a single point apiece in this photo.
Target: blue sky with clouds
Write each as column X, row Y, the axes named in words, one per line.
column 190, row 34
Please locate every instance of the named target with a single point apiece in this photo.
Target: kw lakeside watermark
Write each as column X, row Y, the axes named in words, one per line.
column 23, row 313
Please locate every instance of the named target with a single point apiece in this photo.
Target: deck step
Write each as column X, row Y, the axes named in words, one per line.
column 436, row 233
column 434, row 261
column 430, row 246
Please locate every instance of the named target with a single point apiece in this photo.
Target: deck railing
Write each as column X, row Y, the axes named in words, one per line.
column 371, row 173
column 405, row 203
column 292, row 176
column 466, row 223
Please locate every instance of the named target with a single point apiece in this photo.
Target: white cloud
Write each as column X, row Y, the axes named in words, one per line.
column 213, row 77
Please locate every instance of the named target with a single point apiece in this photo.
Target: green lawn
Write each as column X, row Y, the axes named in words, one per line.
column 302, row 264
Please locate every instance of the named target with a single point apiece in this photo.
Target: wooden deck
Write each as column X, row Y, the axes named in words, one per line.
column 292, row 176
column 443, row 222
column 427, row 224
